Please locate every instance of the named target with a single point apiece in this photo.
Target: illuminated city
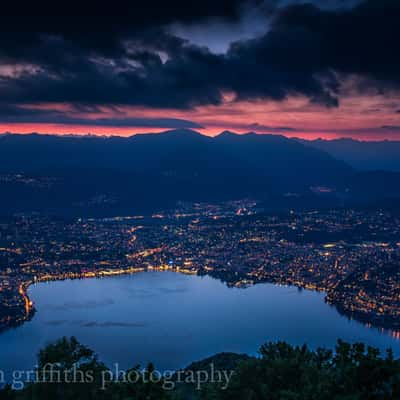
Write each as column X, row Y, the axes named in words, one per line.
column 351, row 255
column 200, row 200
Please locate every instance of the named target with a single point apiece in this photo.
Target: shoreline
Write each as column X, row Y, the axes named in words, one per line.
column 392, row 328
column 29, row 309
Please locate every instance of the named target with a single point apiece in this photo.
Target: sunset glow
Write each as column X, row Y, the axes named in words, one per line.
column 365, row 118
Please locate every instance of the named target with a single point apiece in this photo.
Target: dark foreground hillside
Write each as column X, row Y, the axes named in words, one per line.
column 280, row 372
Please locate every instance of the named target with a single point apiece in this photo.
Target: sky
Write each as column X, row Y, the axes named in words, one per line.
column 303, row 68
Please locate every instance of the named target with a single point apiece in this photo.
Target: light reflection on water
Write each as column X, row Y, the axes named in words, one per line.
column 173, row 319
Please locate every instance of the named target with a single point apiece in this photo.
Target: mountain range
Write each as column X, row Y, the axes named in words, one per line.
column 82, row 175
column 363, row 155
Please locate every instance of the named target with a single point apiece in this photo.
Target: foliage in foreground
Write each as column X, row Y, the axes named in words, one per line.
column 281, row 372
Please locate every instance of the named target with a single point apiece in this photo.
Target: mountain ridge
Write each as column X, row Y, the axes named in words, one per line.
column 358, row 154
column 361, row 154
column 184, row 139
column 121, row 175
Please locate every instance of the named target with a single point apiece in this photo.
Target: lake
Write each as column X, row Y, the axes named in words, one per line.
column 173, row 319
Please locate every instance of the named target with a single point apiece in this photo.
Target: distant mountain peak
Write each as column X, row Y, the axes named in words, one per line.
column 181, row 132
column 170, row 136
column 227, row 134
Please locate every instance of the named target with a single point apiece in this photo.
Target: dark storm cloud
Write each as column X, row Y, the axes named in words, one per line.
column 307, row 48
column 15, row 114
column 132, row 60
column 325, row 4
column 99, row 26
column 141, row 78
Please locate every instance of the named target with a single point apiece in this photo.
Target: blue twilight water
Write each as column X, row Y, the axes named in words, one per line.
column 172, row 319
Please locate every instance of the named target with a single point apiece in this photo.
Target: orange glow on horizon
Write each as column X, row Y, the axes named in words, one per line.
column 357, row 117
column 65, row 130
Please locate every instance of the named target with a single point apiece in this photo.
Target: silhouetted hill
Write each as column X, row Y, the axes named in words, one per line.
column 83, row 175
column 363, row 155
column 279, row 156
column 279, row 372
column 179, row 152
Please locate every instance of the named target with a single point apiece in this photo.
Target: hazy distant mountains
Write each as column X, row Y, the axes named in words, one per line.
column 98, row 175
column 381, row 155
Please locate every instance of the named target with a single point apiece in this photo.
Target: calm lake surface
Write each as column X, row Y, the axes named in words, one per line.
column 173, row 319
